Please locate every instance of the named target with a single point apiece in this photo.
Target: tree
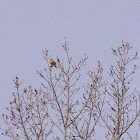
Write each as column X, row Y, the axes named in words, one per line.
column 63, row 109
column 123, row 103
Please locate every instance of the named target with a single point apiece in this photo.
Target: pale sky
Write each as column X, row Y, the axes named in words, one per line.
column 91, row 26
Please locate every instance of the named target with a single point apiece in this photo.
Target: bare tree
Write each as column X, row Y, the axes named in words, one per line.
column 84, row 127
column 63, row 108
column 123, row 108
column 61, row 92
column 26, row 118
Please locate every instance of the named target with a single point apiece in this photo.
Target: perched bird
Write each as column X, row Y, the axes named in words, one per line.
column 52, row 62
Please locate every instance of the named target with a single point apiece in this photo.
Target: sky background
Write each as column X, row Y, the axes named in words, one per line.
column 91, row 26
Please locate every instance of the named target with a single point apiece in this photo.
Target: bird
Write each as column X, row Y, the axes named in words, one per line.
column 52, row 62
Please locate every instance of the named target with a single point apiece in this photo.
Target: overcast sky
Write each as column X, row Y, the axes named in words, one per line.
column 93, row 26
